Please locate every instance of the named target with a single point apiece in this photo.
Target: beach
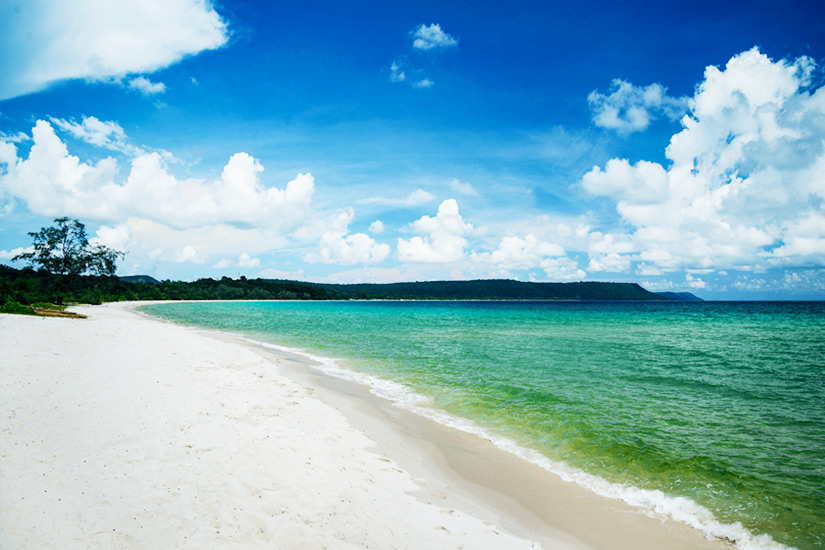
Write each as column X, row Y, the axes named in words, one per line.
column 122, row 431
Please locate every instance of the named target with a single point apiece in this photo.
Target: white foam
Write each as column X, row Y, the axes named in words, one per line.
column 654, row 502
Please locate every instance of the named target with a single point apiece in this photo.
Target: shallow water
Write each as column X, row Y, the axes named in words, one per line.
column 721, row 403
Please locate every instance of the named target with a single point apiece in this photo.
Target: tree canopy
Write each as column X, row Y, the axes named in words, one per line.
column 64, row 249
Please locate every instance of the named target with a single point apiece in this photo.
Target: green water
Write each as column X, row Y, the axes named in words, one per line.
column 721, row 403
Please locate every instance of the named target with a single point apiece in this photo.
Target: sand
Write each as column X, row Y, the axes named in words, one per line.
column 120, row 431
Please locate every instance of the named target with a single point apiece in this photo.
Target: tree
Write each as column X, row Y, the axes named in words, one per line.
column 65, row 249
column 103, row 260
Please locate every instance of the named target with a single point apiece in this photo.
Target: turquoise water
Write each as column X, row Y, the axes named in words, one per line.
column 721, row 403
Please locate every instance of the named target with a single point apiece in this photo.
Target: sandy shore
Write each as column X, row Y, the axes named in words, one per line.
column 119, row 431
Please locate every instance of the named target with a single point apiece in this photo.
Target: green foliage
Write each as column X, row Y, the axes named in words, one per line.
column 64, row 249
column 681, row 296
column 101, row 260
column 16, row 308
column 497, row 289
column 29, row 287
column 48, row 305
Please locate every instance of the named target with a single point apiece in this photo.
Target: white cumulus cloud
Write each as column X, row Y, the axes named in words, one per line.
column 442, row 237
column 146, row 86
column 246, row 261
column 612, row 262
column 338, row 247
column 808, row 279
column 18, row 137
column 106, row 134
column 426, row 38
column 148, row 211
column 562, row 269
column 221, row 264
column 694, row 282
column 416, row 198
column 463, row 187
column 113, row 237
column 154, row 242
column 46, row 41
column 9, row 254
column 430, row 37
column 52, row 182
column 423, row 83
column 628, row 108
column 397, row 73
column 189, row 254
column 745, row 183
column 520, row 252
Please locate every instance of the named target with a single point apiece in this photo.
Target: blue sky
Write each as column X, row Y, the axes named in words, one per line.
column 678, row 146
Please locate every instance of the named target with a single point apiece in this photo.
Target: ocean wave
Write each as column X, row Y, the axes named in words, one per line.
column 653, row 502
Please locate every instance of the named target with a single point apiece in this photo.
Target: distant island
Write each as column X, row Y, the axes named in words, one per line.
column 27, row 287
column 495, row 289
column 681, row 296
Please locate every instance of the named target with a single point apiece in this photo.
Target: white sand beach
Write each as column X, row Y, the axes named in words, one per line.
column 121, row 431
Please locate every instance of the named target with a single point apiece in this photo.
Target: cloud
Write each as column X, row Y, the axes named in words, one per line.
column 9, row 254
column 53, row 183
column 376, row 227
column 152, row 242
column 19, row 137
column 751, row 284
column 694, row 282
column 416, row 198
column 146, row 86
column 657, row 286
column 442, row 237
column 113, row 237
column 221, row 264
column 246, row 261
column 809, row 279
column 401, row 71
column 423, row 83
column 48, row 42
column 397, row 73
column 356, row 248
column 430, row 37
column 810, row 282
column 562, row 269
column 106, row 134
column 463, row 188
column 189, row 254
column 744, row 186
column 338, row 247
column 166, row 218
column 610, row 252
column 644, row 182
column 520, row 253
column 630, row 108
column 281, row 274
column 611, row 262
column 426, row 38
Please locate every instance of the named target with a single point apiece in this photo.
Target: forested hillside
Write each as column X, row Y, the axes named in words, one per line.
column 496, row 289
column 28, row 286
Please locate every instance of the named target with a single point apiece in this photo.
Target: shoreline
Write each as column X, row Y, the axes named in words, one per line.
column 410, row 481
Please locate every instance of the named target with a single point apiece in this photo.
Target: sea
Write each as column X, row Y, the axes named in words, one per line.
column 712, row 413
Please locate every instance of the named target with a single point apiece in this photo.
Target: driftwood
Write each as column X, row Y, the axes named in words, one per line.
column 55, row 313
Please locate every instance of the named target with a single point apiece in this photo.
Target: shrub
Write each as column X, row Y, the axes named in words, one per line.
column 48, row 305
column 16, row 308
